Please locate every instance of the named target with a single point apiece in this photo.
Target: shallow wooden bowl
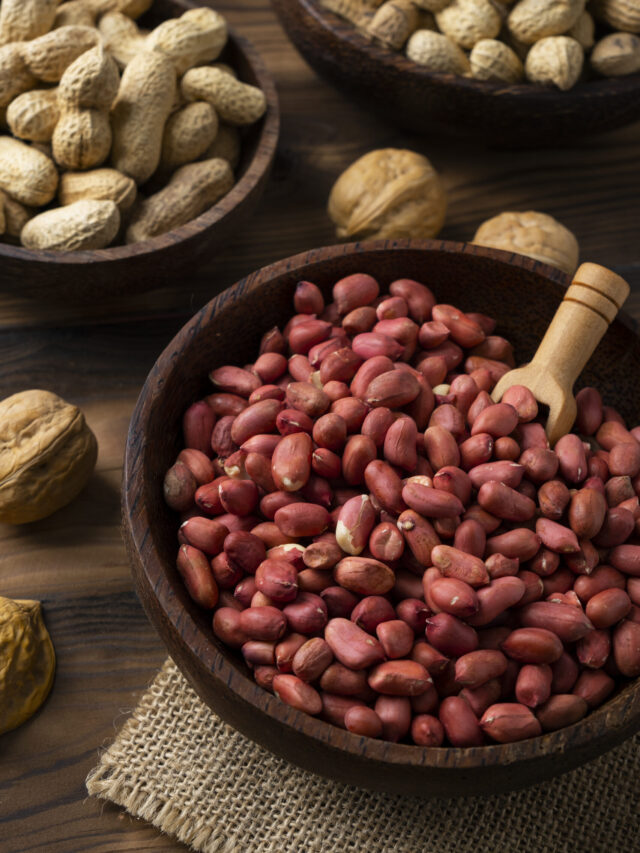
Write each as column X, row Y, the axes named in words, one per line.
column 522, row 294
column 87, row 276
column 428, row 102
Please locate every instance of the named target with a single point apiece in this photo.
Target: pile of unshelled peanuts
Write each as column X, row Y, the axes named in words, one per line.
column 389, row 549
column 549, row 42
column 98, row 108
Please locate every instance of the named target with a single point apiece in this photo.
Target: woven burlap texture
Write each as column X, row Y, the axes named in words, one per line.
column 178, row 766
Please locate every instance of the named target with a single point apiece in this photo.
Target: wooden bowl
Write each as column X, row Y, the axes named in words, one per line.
column 523, row 295
column 90, row 275
column 429, row 102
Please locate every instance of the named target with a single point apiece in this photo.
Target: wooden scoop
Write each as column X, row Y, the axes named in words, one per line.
column 591, row 302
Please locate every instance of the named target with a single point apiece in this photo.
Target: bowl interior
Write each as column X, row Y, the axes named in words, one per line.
column 521, row 293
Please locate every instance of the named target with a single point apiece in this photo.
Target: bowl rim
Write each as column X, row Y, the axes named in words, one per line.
column 260, row 161
column 595, row 727
column 398, row 62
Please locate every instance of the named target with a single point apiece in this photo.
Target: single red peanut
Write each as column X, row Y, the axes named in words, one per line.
column 293, row 691
column 540, row 465
column 322, row 554
column 565, row 673
column 371, row 611
column 553, row 497
column 464, row 331
column 325, row 463
column 567, row 622
column 364, row 576
column 270, row 534
column 476, row 450
column 441, row 447
column 286, row 649
column 226, row 404
column 522, row 401
column 561, row 710
column 291, row 462
column 520, row 542
column 375, row 344
column 431, row 658
column 302, row 519
column 430, row 502
column 618, row 525
column 308, row 298
column 497, row 420
column 454, row 563
column 450, row 636
column 499, row 566
column 358, row 453
column 180, row 487
column 401, row 329
column 624, row 459
column 607, row 607
column 626, row 648
column 307, row 398
column 340, row 365
column 594, row 648
column 355, row 523
column 259, row 653
column 427, row 730
column 545, row 562
column 234, row 380
column 383, row 482
column 245, row 550
column 335, row 707
column 534, row 588
column 264, row 676
column 197, row 425
column 508, row 722
column 204, row 533
column 587, row 512
column 572, row 458
column 307, row 614
column 352, row 411
column 532, row 435
column 611, row 433
column 500, row 595
column 399, row 678
column 460, row 723
column 363, row 721
column 225, row 573
column 198, row 578
column 386, row 542
column 470, row 537
column 509, row 473
column 395, row 713
column 400, row 444
column 495, row 347
column 306, row 334
column 339, row 679
column 533, row 685
column 476, row 668
column 198, row 463
column 589, row 417
column 396, row 638
column 594, row 686
column 277, row 579
column 504, row 502
column 454, row 596
column 238, row 497
column 313, row 580
column 311, row 659
column 450, row 418
column 353, row 291
column 626, row 558
column 263, row 623
column 419, row 536
column 352, row 646
column 603, row 577
column 361, row 319
column 330, row 431
column 482, row 401
column 618, row 490
column 556, row 536
column 291, row 421
column 433, row 369
column 532, row 645
column 479, row 698
column 227, row 626
column 455, row 481
column 270, row 366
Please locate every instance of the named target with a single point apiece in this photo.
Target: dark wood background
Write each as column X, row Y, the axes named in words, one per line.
column 98, row 356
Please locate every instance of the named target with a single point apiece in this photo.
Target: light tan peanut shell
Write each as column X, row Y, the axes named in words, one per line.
column 437, row 52
column 388, row 193
column 359, row 12
column 27, row 661
column 531, row 20
column 192, row 190
column 394, row 22
column 131, row 8
column 22, row 20
column 81, row 139
column 198, row 36
column 235, row 103
column 47, row 57
column 140, row 112
column 494, row 60
column 90, row 82
column 74, row 13
column 622, row 15
column 47, row 454
column 100, row 184
column 87, row 224
column 432, row 5
column 616, row 55
column 583, row 31
column 16, row 216
column 187, row 134
column 33, row 115
column 225, row 145
column 121, row 37
column 555, row 61
column 530, row 233
column 468, row 21
column 15, row 77
column 26, row 174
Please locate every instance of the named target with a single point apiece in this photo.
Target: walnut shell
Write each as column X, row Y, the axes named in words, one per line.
column 530, row 233
column 47, row 454
column 386, row 194
column 27, row 661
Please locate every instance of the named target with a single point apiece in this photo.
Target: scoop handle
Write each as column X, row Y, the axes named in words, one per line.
column 590, row 304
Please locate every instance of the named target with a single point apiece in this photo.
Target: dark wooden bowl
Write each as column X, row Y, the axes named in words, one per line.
column 523, row 295
column 90, row 275
column 428, row 102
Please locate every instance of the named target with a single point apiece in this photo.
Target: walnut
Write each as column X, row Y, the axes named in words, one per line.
column 27, row 661
column 47, row 453
column 534, row 234
column 388, row 193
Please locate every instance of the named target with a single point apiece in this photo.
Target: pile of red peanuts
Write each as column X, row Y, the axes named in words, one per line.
column 389, row 549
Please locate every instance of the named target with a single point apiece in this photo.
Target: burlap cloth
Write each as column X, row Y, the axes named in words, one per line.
column 178, row 766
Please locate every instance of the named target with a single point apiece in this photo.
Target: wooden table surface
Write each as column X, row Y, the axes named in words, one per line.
column 98, row 357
